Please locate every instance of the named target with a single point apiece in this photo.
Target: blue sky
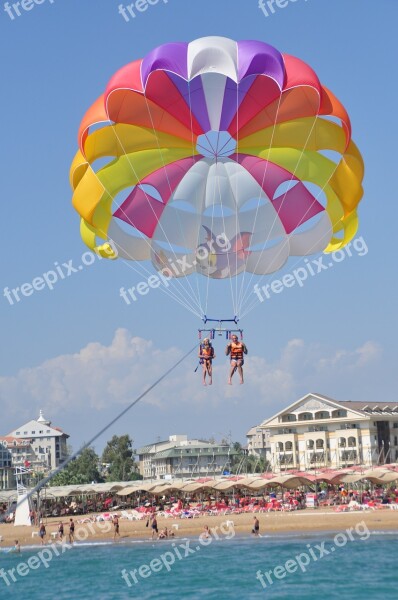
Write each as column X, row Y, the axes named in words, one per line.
column 81, row 353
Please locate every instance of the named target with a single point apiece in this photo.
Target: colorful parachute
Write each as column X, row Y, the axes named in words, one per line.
column 228, row 145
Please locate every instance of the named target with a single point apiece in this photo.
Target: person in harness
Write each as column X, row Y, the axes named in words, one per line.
column 236, row 350
column 206, row 355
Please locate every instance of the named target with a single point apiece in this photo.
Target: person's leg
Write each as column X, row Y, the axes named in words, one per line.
column 232, row 371
column 210, row 372
column 240, row 370
column 204, row 370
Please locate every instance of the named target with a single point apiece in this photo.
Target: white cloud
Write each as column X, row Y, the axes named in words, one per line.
column 96, row 383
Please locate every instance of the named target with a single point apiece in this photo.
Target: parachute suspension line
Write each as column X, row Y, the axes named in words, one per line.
column 228, row 253
column 195, row 298
column 196, row 191
column 285, row 193
column 183, row 299
column 44, row 481
column 142, row 270
column 211, row 231
column 243, row 294
column 300, row 259
column 237, row 203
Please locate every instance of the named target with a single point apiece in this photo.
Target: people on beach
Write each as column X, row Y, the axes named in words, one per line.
column 61, row 531
column 17, row 548
column 71, row 531
column 256, row 526
column 206, row 532
column 236, row 349
column 154, row 526
column 115, row 527
column 42, row 533
column 206, row 355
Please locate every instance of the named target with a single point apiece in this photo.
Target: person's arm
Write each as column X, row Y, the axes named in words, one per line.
column 228, row 349
column 245, row 348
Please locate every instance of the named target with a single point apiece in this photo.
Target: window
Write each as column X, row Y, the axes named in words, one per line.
column 41, row 431
column 33, row 432
column 322, row 414
column 395, row 440
column 287, row 418
column 305, row 416
column 395, row 426
column 17, row 433
column 339, row 413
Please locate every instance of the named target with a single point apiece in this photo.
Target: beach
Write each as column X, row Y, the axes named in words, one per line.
column 271, row 523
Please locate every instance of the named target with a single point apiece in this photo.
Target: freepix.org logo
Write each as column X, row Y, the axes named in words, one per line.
column 178, row 267
column 269, row 7
column 311, row 268
column 131, row 11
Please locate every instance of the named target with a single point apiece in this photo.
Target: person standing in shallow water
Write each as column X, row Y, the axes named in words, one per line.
column 256, row 526
column 71, row 531
column 154, row 527
column 116, row 527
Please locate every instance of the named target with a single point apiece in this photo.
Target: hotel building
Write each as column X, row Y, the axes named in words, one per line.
column 317, row 432
column 36, row 445
column 180, row 457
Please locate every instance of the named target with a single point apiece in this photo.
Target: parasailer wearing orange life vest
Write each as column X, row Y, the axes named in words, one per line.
column 206, row 355
column 236, row 350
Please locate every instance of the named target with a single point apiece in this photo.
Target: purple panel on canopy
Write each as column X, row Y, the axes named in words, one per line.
column 193, row 94
column 141, row 210
column 169, row 57
column 257, row 58
column 233, row 96
column 296, row 206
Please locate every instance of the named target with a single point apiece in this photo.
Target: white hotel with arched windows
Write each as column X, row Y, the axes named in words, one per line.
column 317, row 432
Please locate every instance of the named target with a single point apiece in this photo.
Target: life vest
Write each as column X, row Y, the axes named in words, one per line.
column 206, row 351
column 236, row 351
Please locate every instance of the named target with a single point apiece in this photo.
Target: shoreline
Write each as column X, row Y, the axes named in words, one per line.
column 294, row 524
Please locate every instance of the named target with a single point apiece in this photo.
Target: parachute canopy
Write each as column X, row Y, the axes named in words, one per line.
column 217, row 156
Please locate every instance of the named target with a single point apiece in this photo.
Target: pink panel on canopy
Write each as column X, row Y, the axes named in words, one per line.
column 143, row 211
column 161, row 90
column 296, row 206
column 263, row 92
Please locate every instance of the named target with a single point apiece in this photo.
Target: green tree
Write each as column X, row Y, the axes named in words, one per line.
column 81, row 470
column 118, row 454
column 241, row 462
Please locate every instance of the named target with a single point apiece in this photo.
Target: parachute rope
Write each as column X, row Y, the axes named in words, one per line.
column 199, row 307
column 61, row 467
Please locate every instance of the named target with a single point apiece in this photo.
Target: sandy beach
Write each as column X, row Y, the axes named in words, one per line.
column 273, row 523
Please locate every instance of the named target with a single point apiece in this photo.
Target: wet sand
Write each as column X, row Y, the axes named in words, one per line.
column 274, row 524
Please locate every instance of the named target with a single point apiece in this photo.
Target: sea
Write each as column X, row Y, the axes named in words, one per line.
column 291, row 566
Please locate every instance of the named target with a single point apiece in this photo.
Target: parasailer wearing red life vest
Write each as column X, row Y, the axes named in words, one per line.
column 206, row 355
column 236, row 350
